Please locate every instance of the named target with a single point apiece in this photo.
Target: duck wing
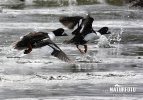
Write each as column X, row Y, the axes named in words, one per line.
column 37, row 36
column 81, row 33
column 70, row 22
column 30, row 38
column 87, row 26
column 57, row 52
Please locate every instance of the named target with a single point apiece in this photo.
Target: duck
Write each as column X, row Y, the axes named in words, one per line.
column 73, row 23
column 82, row 30
column 40, row 39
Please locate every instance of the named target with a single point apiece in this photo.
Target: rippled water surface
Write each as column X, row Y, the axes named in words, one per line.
column 39, row 76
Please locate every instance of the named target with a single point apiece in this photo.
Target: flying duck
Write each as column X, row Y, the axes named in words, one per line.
column 40, row 39
column 74, row 23
column 84, row 31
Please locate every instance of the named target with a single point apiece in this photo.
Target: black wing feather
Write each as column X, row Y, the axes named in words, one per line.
column 86, row 29
column 57, row 52
column 70, row 22
column 87, row 26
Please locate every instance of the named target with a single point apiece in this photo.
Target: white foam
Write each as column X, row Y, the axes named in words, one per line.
column 103, row 42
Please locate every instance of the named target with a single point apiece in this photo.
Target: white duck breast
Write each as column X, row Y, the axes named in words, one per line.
column 51, row 35
column 92, row 36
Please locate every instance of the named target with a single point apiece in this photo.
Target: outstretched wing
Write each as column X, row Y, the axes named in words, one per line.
column 70, row 22
column 57, row 52
column 37, row 36
column 80, row 33
column 87, row 26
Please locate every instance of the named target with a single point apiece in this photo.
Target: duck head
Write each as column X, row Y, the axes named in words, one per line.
column 104, row 30
column 59, row 32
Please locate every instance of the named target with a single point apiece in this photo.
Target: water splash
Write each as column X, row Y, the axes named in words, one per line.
column 12, row 53
column 119, row 35
column 88, row 58
column 103, row 42
column 119, row 40
column 116, row 36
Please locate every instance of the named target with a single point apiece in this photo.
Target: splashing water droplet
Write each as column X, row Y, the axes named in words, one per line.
column 119, row 35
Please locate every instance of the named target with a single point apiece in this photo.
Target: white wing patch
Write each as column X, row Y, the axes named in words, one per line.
column 80, row 21
column 51, row 35
column 75, row 27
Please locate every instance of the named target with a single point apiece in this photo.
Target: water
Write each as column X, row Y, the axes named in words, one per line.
column 39, row 76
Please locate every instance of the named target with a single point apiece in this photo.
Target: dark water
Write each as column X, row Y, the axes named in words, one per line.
column 39, row 76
